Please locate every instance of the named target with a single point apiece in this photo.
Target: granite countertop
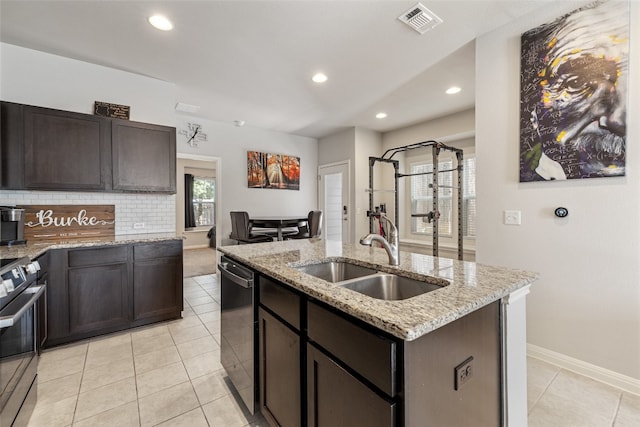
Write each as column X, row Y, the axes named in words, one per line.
column 34, row 249
column 469, row 286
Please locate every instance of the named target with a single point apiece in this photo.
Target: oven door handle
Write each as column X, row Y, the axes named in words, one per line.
column 37, row 291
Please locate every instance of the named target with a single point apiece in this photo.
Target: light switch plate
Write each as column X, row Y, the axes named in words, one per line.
column 512, row 217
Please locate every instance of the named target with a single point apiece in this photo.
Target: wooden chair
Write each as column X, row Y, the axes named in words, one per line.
column 241, row 229
column 311, row 229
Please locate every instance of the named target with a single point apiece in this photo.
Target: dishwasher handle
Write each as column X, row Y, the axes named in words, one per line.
column 238, row 280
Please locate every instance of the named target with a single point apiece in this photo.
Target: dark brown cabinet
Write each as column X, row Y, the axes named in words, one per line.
column 337, row 398
column 156, row 270
column 335, row 370
column 279, row 354
column 279, row 371
column 48, row 149
column 144, row 157
column 65, row 150
column 99, row 290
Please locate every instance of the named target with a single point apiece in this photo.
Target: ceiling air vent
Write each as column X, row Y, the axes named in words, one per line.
column 420, row 18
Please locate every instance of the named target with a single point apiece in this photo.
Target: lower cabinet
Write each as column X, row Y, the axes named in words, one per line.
column 98, row 298
column 300, row 385
column 99, row 290
column 337, row 398
column 279, row 371
column 320, row 367
column 156, row 270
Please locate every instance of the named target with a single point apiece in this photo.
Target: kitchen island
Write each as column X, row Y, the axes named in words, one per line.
column 444, row 357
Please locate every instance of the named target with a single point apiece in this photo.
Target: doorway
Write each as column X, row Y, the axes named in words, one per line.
column 204, row 169
column 333, row 194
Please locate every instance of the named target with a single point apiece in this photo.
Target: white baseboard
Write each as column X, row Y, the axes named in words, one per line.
column 597, row 373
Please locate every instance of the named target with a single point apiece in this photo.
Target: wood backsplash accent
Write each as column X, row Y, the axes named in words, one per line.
column 65, row 222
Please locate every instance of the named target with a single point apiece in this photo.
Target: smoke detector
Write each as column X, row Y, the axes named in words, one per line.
column 420, row 18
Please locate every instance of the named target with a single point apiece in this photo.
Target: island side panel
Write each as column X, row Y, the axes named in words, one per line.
column 430, row 364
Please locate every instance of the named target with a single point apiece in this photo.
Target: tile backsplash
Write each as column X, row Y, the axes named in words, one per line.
column 156, row 212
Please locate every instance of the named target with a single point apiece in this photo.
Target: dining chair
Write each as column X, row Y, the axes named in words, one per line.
column 241, row 229
column 311, row 229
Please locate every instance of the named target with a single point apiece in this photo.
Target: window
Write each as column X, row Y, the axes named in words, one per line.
column 204, row 196
column 469, row 197
column 422, row 198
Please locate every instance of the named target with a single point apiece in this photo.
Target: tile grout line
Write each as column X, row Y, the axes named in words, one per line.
column 617, row 411
column 84, row 366
column 543, row 392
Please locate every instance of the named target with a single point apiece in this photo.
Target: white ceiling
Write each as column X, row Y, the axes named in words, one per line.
column 253, row 60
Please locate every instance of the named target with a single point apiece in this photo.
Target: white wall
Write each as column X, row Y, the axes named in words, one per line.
column 367, row 143
column 586, row 304
column 35, row 78
column 230, row 144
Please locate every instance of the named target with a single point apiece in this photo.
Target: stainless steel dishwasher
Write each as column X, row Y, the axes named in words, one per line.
column 239, row 329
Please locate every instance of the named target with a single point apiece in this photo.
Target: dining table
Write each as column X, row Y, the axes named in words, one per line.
column 278, row 223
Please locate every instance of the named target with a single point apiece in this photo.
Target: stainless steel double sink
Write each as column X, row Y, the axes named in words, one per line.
column 369, row 281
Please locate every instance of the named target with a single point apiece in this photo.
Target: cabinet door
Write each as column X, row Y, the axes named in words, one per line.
column 65, row 150
column 157, row 288
column 98, row 298
column 336, row 398
column 279, row 371
column 11, row 153
column 144, row 157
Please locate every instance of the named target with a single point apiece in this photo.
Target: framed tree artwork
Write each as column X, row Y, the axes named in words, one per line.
column 268, row 170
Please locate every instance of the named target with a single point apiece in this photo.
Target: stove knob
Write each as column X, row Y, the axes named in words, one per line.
column 8, row 285
column 32, row 267
column 3, row 290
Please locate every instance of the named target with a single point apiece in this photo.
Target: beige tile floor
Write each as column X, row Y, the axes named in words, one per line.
column 170, row 375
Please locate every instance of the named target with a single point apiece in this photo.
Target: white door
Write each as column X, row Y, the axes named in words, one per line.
column 333, row 191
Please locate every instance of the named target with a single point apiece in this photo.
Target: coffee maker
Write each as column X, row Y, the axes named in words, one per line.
column 11, row 226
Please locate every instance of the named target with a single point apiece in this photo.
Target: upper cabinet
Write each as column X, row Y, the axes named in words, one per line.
column 144, row 157
column 65, row 150
column 46, row 149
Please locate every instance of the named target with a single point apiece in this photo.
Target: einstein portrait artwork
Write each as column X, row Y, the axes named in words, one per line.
column 573, row 93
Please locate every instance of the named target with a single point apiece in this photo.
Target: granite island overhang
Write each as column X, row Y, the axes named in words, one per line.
column 468, row 286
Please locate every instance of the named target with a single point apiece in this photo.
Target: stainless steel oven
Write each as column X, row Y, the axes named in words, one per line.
column 20, row 297
column 238, row 329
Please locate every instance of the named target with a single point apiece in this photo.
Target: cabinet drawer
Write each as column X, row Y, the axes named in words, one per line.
column 281, row 301
column 98, row 256
column 372, row 356
column 157, row 250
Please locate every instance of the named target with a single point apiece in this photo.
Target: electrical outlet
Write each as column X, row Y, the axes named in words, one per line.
column 512, row 217
column 463, row 372
column 138, row 225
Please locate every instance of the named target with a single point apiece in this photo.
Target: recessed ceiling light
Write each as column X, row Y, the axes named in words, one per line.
column 319, row 78
column 381, row 115
column 160, row 22
column 453, row 90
